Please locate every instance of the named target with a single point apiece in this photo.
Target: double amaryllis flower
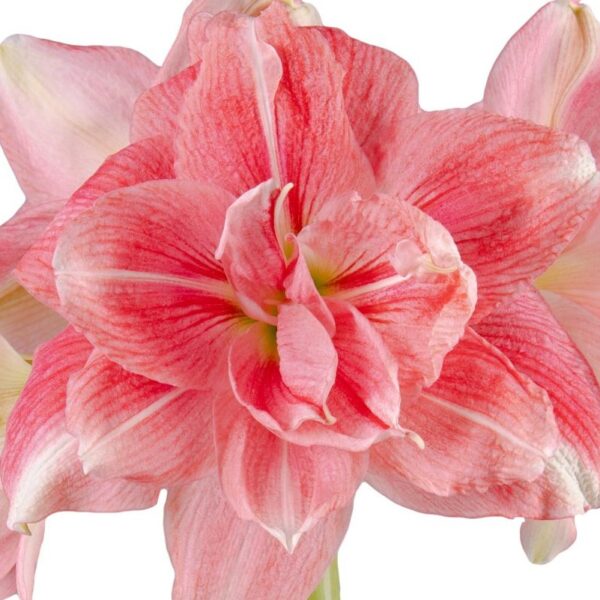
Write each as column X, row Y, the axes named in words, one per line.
column 291, row 280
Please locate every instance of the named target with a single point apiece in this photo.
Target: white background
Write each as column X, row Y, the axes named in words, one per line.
column 390, row 553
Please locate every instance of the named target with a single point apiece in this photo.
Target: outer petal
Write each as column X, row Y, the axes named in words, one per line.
column 543, row 541
column 512, row 194
column 250, row 563
column 483, row 423
column 380, row 89
column 132, row 427
column 75, row 100
column 24, row 322
column 285, row 488
column 145, row 161
column 549, row 72
column 40, row 470
column 141, row 281
column 29, row 551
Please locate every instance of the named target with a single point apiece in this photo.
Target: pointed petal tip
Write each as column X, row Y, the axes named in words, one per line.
column 22, row 528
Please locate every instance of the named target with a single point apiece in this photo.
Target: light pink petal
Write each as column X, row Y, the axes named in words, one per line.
column 131, row 427
column 285, row 488
column 140, row 280
column 8, row 585
column 227, row 128
column 41, row 473
column 250, row 563
column 25, row 322
column 402, row 270
column 543, row 541
column 549, row 72
column 76, row 101
column 27, row 558
column 145, row 161
column 380, row 89
column 157, row 109
column 9, row 545
column 482, row 422
column 512, row 194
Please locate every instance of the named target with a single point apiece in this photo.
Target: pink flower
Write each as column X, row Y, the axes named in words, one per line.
column 270, row 282
column 548, row 73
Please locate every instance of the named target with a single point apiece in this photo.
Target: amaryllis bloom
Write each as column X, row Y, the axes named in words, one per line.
column 278, row 290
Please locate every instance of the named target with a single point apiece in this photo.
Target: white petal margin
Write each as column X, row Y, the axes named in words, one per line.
column 543, row 541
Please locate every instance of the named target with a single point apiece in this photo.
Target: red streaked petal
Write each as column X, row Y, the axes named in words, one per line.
column 250, row 563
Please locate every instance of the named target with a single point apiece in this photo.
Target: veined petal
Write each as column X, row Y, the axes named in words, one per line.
column 27, row 558
column 286, row 488
column 147, row 160
column 76, row 100
column 511, row 193
column 139, row 278
column 250, row 564
column 131, row 427
column 482, row 422
column 41, row 473
column 25, row 322
column 543, row 541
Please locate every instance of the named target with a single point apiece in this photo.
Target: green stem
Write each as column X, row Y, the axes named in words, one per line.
column 329, row 588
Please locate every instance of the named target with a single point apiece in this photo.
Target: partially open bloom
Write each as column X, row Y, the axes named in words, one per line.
column 286, row 283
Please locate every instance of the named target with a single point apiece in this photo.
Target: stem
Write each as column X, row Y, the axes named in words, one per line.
column 329, row 588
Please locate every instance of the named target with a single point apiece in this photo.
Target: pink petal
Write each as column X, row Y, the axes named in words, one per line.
column 543, row 541
column 27, row 558
column 76, row 100
column 145, row 161
column 157, row 110
column 402, row 270
column 131, row 427
column 141, row 281
column 9, row 545
column 483, row 423
column 285, row 488
column 40, row 469
column 8, row 585
column 227, row 129
column 250, row 563
column 512, row 194
column 549, row 72
column 380, row 89
column 24, row 322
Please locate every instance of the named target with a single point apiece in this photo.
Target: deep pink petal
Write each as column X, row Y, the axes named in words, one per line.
column 141, row 281
column 380, row 89
column 285, row 488
column 131, row 427
column 74, row 100
column 511, row 193
column 483, row 423
column 250, row 563
column 145, row 161
column 41, row 473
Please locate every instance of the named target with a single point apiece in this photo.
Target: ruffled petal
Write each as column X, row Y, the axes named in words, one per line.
column 250, row 563
column 41, row 473
column 285, row 488
column 512, row 194
column 543, row 541
column 141, row 281
column 131, row 427
column 76, row 100
column 145, row 161
column 482, row 422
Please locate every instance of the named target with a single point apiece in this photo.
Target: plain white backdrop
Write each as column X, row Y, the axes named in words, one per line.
column 390, row 553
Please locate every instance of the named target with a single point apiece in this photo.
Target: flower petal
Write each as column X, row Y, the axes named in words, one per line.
column 250, row 563
column 512, row 194
column 543, row 541
column 145, row 161
column 76, row 100
column 140, row 280
column 285, row 488
column 40, row 470
column 131, row 427
column 380, row 89
column 483, row 423
column 27, row 558
column 24, row 322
